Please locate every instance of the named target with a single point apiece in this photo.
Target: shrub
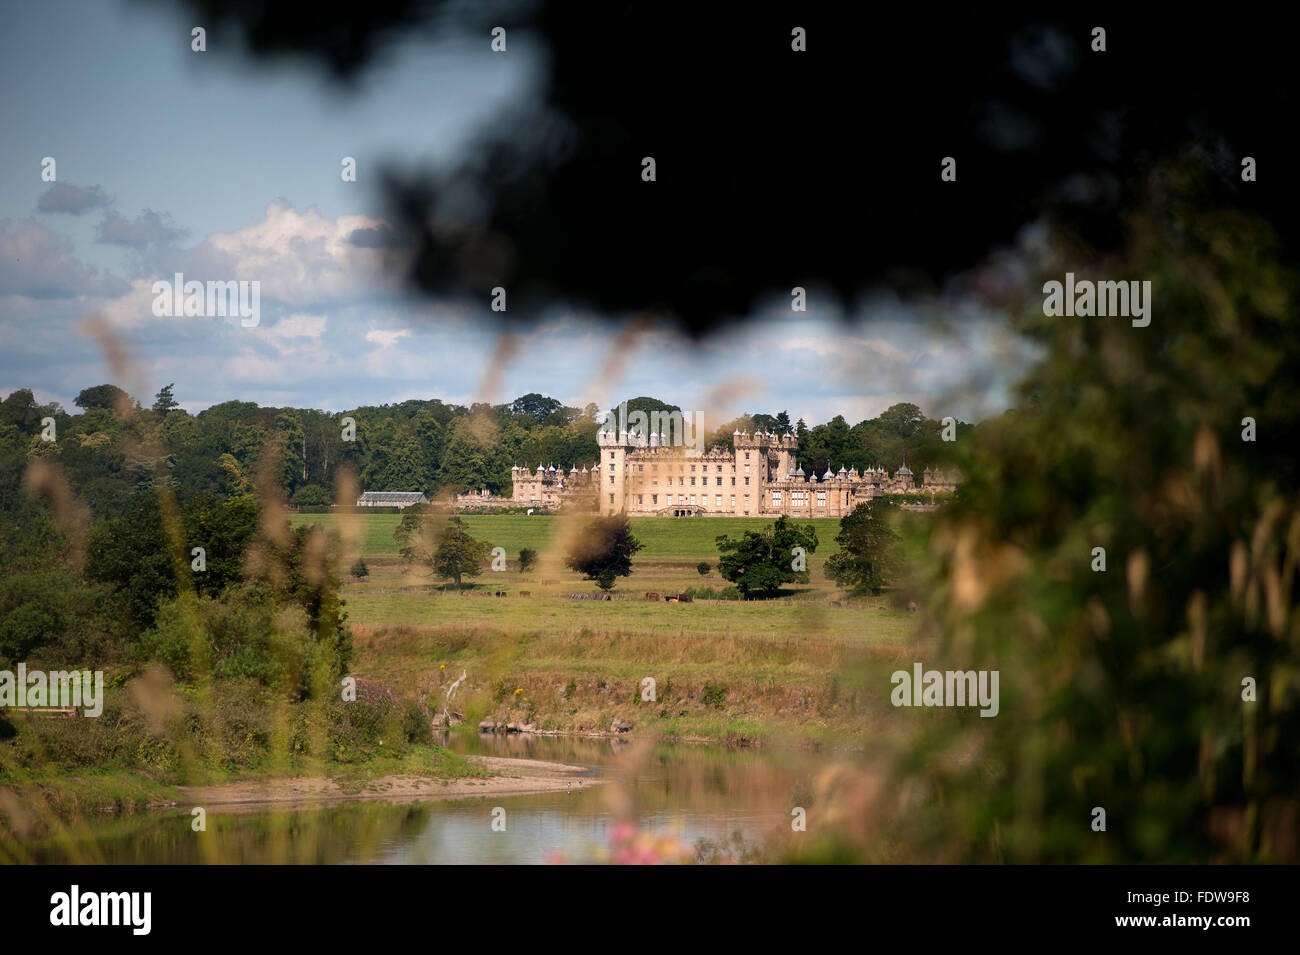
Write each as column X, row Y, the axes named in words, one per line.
column 714, row 695
column 703, row 568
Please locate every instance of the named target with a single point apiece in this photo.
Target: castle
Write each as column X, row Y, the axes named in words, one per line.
column 646, row 476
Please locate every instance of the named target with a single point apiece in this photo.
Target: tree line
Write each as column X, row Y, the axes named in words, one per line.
column 113, row 445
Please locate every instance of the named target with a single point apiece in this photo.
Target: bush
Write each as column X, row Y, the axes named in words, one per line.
column 527, row 559
column 311, row 495
column 714, row 695
column 359, row 569
column 416, row 723
column 703, row 568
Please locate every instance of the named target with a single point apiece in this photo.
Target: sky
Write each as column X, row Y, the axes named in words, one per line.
column 206, row 163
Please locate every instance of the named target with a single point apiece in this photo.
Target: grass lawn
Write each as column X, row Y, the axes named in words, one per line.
column 803, row 664
column 663, row 537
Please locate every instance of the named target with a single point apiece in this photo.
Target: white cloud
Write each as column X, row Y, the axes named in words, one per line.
column 301, row 258
column 386, row 338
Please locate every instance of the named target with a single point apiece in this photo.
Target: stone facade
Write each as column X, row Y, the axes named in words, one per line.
column 646, row 476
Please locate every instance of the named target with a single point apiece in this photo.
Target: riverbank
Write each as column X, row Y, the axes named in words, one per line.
column 41, row 806
column 508, row 777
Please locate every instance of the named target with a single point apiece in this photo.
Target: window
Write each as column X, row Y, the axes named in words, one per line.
column 611, row 499
column 692, row 468
column 611, row 455
column 776, row 498
column 746, row 481
column 640, row 499
column 733, row 500
column 719, row 471
column 821, row 498
column 719, row 482
column 692, row 498
column 719, row 504
column 654, row 498
column 692, row 479
column 611, row 479
column 746, row 468
column 733, row 482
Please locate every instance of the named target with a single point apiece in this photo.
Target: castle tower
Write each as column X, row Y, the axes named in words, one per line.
column 786, row 447
column 751, row 472
column 613, row 472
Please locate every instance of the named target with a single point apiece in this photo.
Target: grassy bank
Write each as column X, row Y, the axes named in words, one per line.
column 154, row 737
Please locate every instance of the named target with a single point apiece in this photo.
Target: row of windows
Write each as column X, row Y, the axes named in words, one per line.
column 798, row 498
column 681, row 468
column 682, row 499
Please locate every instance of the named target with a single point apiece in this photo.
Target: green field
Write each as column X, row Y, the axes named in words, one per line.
column 794, row 665
column 664, row 538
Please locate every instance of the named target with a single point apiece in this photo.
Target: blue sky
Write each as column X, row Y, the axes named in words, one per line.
column 211, row 164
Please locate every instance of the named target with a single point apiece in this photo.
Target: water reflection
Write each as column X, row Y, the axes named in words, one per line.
column 694, row 792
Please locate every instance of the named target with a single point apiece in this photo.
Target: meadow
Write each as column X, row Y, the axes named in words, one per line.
column 794, row 666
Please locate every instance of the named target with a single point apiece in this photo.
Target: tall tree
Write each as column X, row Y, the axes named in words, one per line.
column 761, row 561
column 164, row 402
column 868, row 549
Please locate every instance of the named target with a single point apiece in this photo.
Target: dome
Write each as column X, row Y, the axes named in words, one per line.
column 828, row 475
column 799, row 473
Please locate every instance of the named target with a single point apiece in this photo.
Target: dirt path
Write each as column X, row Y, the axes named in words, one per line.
column 513, row 777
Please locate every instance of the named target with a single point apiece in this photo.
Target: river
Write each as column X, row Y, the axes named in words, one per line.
column 687, row 792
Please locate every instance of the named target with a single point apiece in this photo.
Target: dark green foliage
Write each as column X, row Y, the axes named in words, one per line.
column 311, row 495
column 759, row 562
column 107, row 397
column 164, row 401
column 359, row 569
column 714, row 695
column 132, row 554
column 527, row 559
column 223, row 529
column 603, row 550
column 52, row 613
column 868, row 550
column 703, row 568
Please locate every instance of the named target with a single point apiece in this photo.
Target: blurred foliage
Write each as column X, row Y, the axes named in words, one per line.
column 603, row 550
column 1120, row 689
